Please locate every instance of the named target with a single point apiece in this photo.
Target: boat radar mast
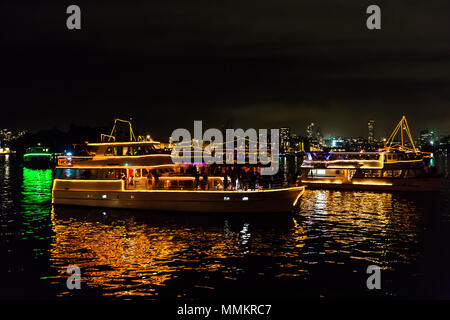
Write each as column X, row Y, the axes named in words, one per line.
column 112, row 136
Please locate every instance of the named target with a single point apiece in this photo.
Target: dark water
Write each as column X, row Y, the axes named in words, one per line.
column 321, row 251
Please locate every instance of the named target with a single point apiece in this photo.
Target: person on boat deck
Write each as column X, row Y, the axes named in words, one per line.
column 204, row 182
column 156, row 176
column 197, row 180
column 140, row 151
column 253, row 178
column 204, row 176
column 225, row 182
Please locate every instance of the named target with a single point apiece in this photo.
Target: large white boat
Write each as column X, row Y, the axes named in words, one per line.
column 142, row 175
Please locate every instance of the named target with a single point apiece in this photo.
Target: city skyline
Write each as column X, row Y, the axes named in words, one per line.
column 8, row 134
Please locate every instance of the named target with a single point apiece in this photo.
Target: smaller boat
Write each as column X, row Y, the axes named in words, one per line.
column 396, row 167
column 38, row 158
column 5, row 151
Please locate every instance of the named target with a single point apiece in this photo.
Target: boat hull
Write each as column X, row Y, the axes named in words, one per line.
column 268, row 201
column 413, row 185
column 37, row 162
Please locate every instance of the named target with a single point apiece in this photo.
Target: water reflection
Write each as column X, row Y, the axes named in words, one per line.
column 5, row 186
column 321, row 250
column 376, row 227
column 131, row 253
column 36, row 198
column 134, row 253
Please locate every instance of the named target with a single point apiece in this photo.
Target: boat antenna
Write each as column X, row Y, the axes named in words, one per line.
column 112, row 135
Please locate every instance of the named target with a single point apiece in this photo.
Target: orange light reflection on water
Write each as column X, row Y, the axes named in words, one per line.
column 132, row 258
column 127, row 253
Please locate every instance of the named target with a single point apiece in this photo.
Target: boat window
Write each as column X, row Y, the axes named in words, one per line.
column 391, row 173
column 129, row 151
column 396, row 173
column 88, row 174
column 370, row 173
column 149, row 149
column 108, row 174
column 67, row 174
column 58, row 173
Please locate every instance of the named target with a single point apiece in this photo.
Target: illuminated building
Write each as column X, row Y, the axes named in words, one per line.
column 319, row 136
column 371, row 128
column 310, row 131
column 285, row 135
column 427, row 137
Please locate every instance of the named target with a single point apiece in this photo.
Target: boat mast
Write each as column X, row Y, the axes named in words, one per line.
column 112, row 135
column 402, row 126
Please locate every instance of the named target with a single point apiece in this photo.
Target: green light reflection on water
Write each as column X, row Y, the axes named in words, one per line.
column 36, row 202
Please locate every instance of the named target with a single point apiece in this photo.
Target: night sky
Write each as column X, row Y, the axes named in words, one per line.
column 262, row 64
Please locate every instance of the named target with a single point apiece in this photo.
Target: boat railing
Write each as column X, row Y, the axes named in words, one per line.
column 67, row 161
column 344, row 163
column 211, row 183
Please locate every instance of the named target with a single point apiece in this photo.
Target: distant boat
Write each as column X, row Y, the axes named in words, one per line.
column 37, row 157
column 5, row 151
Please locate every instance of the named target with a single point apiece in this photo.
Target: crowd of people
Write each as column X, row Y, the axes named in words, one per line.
column 206, row 177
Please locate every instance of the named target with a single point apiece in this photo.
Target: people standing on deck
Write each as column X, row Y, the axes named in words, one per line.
column 254, row 179
column 204, row 176
column 130, row 177
column 232, row 178
column 123, row 176
column 196, row 180
column 204, row 182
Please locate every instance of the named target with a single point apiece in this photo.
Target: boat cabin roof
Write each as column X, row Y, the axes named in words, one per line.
column 36, row 149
